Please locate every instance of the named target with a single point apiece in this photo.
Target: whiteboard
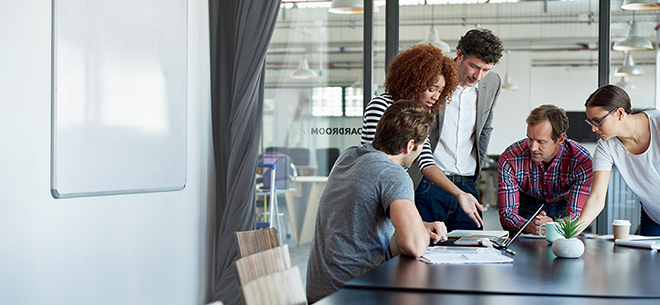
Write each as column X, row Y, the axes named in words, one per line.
column 119, row 80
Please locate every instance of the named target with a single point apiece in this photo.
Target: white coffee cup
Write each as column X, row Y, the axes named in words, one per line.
column 621, row 228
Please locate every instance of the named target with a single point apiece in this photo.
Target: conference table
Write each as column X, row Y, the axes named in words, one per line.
column 349, row 296
column 604, row 274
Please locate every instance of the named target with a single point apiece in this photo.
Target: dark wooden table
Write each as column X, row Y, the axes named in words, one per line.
column 603, row 271
column 349, row 296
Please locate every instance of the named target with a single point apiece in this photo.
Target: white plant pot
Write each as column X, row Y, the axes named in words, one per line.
column 568, row 248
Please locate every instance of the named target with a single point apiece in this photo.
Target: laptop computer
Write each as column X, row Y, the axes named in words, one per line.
column 503, row 242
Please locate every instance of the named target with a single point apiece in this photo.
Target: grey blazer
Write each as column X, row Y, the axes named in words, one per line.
column 489, row 91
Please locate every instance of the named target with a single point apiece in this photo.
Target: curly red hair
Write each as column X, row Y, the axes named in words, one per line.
column 416, row 69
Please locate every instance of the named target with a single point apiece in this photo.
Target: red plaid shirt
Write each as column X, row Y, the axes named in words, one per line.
column 568, row 176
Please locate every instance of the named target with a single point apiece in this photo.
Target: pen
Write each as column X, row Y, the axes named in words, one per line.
column 510, row 251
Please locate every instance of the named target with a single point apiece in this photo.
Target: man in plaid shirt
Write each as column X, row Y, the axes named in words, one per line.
column 543, row 168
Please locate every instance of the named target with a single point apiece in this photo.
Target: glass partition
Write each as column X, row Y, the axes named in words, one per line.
column 314, row 98
column 314, row 69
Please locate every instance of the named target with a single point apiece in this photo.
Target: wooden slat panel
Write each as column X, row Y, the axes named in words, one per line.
column 251, row 242
column 263, row 263
column 280, row 288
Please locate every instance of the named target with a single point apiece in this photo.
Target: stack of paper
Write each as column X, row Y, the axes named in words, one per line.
column 463, row 255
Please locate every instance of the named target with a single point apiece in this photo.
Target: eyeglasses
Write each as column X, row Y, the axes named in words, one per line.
column 597, row 122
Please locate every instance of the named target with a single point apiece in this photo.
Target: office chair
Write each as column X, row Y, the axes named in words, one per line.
column 251, row 242
column 325, row 159
column 279, row 288
column 262, row 263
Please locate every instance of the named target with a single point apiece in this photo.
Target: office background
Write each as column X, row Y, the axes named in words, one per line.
column 154, row 248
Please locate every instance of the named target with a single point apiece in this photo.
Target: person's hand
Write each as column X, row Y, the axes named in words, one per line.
column 471, row 207
column 534, row 225
column 437, row 230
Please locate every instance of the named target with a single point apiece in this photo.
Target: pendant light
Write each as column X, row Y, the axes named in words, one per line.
column 632, row 41
column 629, row 67
column 433, row 38
column 508, row 85
column 303, row 71
column 640, row 5
column 349, row 7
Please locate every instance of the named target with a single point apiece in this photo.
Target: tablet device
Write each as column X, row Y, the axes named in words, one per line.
column 502, row 243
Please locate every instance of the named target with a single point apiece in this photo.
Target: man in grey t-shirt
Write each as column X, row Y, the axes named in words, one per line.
column 368, row 195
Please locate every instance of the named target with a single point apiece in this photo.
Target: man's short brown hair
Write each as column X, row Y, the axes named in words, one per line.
column 401, row 122
column 557, row 117
column 482, row 43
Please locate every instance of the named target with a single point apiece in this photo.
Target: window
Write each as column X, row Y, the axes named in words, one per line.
column 336, row 102
column 327, row 101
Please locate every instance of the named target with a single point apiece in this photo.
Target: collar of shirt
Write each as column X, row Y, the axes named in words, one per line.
column 459, row 90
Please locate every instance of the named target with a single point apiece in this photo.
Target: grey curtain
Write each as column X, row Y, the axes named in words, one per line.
column 240, row 32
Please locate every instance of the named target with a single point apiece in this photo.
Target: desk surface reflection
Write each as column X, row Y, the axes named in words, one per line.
column 603, row 271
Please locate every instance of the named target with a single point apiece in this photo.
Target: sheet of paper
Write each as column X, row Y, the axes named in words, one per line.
column 463, row 255
column 528, row 235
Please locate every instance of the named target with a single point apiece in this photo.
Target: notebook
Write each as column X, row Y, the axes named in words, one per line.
column 503, row 242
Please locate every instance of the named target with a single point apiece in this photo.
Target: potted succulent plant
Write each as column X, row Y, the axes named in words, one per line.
column 568, row 245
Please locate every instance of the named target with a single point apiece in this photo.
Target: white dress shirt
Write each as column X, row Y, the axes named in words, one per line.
column 456, row 153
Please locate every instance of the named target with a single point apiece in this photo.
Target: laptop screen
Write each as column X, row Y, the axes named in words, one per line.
column 508, row 241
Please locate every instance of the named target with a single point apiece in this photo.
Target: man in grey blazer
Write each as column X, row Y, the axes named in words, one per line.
column 459, row 139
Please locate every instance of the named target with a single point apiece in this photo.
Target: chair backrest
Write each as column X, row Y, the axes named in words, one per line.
column 263, row 263
column 285, row 171
column 299, row 155
column 325, row 159
column 279, row 288
column 251, row 242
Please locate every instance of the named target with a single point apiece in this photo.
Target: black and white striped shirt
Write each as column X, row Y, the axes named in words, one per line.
column 372, row 114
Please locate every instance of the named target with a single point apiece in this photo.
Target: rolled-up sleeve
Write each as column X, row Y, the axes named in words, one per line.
column 508, row 196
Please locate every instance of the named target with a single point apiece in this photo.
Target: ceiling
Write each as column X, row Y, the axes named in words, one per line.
column 554, row 33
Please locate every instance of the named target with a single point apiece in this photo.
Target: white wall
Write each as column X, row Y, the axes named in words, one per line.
column 125, row 249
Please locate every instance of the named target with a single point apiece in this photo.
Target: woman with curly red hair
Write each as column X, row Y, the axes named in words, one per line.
column 422, row 74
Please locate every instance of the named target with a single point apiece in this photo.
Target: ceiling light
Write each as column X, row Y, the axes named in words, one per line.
column 628, row 67
column 632, row 41
column 432, row 38
column 640, row 5
column 508, row 85
column 303, row 72
column 349, row 7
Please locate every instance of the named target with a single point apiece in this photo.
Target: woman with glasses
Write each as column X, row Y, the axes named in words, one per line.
column 631, row 142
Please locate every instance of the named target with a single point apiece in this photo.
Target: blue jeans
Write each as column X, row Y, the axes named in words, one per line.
column 648, row 227
column 435, row 204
